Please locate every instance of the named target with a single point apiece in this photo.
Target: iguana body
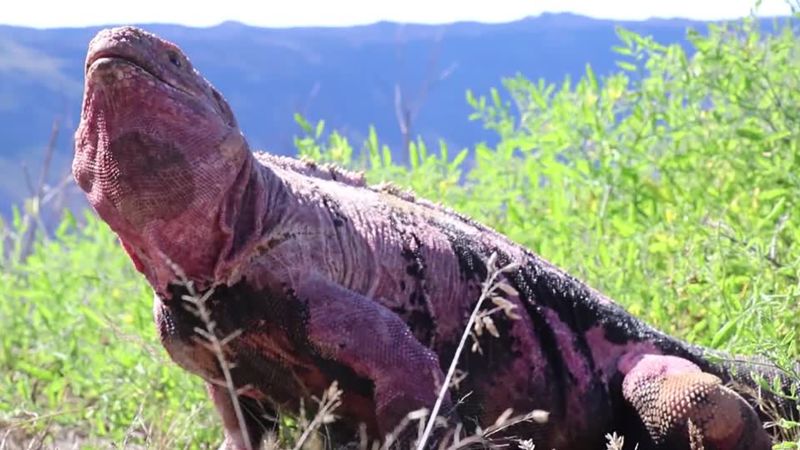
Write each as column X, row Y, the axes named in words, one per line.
column 328, row 279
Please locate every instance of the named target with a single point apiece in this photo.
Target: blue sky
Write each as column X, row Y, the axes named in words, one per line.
column 285, row 13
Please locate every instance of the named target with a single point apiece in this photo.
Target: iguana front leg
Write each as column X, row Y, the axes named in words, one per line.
column 678, row 404
column 256, row 423
column 356, row 333
column 359, row 333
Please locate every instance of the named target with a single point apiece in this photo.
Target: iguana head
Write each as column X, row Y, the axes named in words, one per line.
column 158, row 151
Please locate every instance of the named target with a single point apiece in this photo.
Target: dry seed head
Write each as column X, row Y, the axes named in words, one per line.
column 503, row 417
column 526, row 444
column 507, row 288
column 490, row 327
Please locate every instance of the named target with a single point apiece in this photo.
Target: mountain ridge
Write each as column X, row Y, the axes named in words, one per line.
column 347, row 76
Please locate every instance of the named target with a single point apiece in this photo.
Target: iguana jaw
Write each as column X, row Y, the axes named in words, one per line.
column 158, row 153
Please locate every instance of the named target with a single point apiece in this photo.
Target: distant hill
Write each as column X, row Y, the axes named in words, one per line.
column 346, row 76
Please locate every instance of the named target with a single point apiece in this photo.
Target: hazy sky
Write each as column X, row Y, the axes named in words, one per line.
column 284, row 13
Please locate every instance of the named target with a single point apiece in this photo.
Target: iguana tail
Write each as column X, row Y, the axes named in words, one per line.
column 771, row 390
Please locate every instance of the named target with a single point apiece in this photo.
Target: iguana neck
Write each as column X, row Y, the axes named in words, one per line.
column 211, row 241
column 253, row 207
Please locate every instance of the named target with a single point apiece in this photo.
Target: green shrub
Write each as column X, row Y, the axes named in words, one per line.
column 79, row 348
column 672, row 185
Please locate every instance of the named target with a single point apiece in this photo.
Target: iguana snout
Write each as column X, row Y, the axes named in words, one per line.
column 160, row 59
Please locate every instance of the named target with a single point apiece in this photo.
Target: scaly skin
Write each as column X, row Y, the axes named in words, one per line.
column 329, row 279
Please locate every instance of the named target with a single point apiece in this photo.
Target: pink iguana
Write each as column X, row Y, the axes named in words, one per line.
column 326, row 278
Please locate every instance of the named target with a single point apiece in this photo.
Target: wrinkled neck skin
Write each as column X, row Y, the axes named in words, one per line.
column 197, row 241
column 204, row 243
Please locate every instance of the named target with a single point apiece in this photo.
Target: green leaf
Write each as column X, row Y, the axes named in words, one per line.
column 750, row 133
column 304, row 125
column 622, row 50
column 725, row 333
column 626, row 66
column 591, row 78
column 37, row 372
column 320, row 128
column 460, row 157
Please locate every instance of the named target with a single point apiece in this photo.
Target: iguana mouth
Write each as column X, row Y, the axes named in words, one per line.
column 110, row 57
column 105, row 56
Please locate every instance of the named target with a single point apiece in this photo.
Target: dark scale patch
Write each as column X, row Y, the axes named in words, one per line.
column 539, row 291
column 412, row 252
column 417, row 298
column 334, row 208
column 422, row 325
column 470, row 256
column 146, row 178
column 524, row 281
column 484, row 370
column 279, row 239
column 577, row 306
column 496, row 353
column 240, row 308
column 332, row 170
column 416, row 312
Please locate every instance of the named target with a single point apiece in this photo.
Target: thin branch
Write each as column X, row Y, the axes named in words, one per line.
column 35, row 213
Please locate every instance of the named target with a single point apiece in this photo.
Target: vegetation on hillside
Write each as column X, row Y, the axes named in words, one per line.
column 672, row 186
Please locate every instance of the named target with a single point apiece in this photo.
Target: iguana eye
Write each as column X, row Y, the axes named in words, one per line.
column 175, row 59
